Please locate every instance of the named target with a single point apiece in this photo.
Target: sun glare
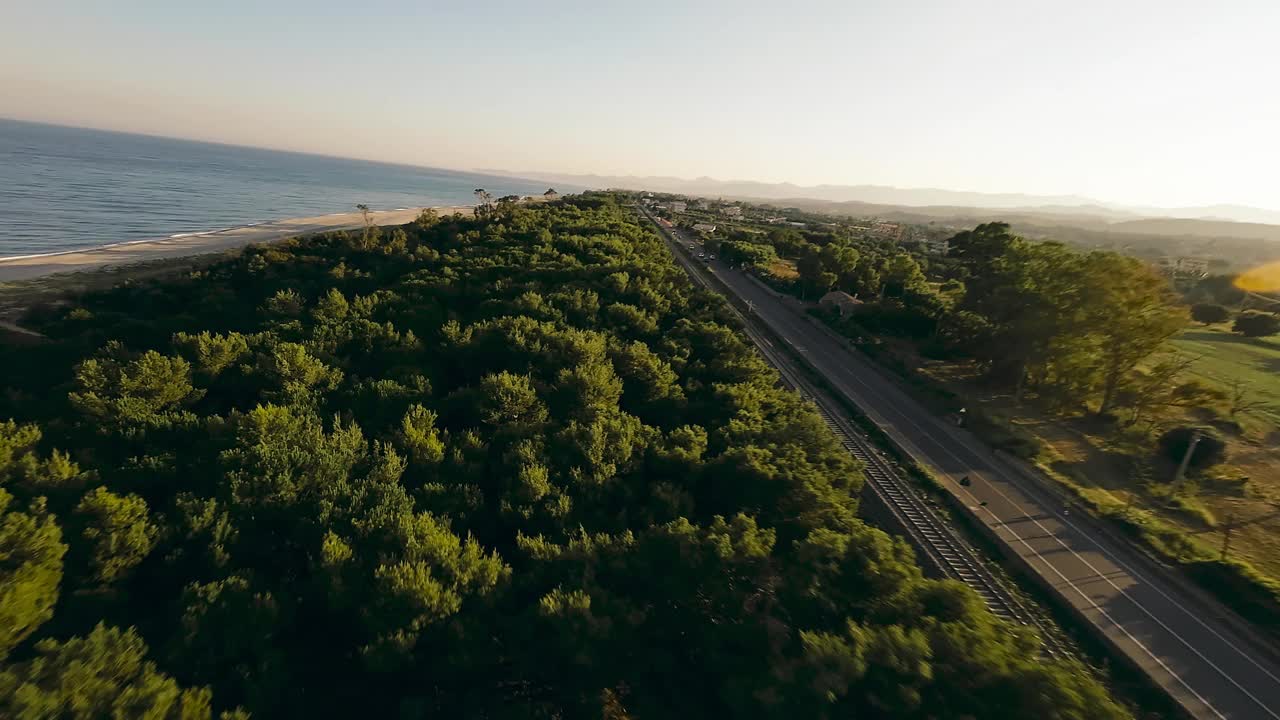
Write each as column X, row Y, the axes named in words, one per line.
column 1264, row 278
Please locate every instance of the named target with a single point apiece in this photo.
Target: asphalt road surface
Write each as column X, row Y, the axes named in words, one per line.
column 1175, row 636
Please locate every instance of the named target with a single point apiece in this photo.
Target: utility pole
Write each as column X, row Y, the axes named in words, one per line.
column 1226, row 534
column 1186, row 458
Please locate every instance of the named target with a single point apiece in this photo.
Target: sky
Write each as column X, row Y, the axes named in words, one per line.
column 1144, row 102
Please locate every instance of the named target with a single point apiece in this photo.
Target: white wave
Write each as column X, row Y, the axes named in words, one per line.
column 175, row 236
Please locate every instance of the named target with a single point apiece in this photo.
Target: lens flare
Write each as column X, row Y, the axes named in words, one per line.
column 1264, row 278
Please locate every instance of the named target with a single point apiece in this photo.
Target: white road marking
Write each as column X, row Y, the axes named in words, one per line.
column 1103, row 576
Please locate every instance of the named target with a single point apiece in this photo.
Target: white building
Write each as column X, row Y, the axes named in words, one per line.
column 842, row 302
column 733, row 211
column 679, row 207
column 704, row 227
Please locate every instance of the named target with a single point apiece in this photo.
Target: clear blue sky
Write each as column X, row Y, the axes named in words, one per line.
column 1142, row 101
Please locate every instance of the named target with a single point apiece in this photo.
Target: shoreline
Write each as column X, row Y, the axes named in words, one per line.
column 187, row 244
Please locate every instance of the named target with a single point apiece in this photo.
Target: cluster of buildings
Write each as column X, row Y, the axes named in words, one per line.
column 1184, row 266
column 935, row 246
column 784, row 221
column 681, row 206
column 883, row 229
column 888, row 230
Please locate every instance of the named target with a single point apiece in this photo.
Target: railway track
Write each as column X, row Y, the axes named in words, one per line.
column 935, row 539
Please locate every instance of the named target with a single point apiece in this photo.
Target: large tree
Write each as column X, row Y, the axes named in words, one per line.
column 1072, row 325
column 116, row 531
column 1031, row 298
column 105, row 674
column 1134, row 311
column 31, row 551
column 31, row 542
column 983, row 244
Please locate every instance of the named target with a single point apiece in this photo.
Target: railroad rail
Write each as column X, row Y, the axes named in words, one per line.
column 935, row 539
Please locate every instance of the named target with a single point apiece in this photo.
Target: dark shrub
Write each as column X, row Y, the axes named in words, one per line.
column 1210, row 450
column 1209, row 313
column 1254, row 323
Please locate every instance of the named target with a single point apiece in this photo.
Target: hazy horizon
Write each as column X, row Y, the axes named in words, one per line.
column 1028, row 200
column 1141, row 105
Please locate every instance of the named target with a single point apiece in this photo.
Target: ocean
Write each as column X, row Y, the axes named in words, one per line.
column 70, row 188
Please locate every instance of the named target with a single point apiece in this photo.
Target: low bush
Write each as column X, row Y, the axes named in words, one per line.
column 1209, row 313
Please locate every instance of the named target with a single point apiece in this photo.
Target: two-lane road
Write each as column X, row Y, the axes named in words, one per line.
column 1197, row 659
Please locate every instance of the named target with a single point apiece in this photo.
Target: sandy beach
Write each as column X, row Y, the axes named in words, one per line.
column 35, row 266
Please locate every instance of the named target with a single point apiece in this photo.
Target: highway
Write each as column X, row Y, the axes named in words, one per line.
column 1173, row 635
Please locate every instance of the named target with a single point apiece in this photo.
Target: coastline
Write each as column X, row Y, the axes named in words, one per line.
column 30, row 267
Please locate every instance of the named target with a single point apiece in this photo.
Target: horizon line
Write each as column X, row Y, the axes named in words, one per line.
column 531, row 176
column 240, row 146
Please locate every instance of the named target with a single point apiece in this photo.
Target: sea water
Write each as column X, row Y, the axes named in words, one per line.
column 70, row 188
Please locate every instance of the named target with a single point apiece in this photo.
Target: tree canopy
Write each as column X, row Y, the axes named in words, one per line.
column 512, row 466
column 1071, row 325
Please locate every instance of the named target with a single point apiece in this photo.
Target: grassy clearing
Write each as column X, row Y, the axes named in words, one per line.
column 1225, row 357
column 1118, row 474
column 783, row 269
column 1120, row 477
column 1114, row 469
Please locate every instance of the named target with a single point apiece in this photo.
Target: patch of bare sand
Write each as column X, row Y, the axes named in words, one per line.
column 36, row 266
column 49, row 279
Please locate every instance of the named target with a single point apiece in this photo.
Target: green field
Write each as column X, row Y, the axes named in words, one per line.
column 1224, row 357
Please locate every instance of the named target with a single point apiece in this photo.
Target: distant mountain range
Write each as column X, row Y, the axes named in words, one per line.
column 949, row 200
